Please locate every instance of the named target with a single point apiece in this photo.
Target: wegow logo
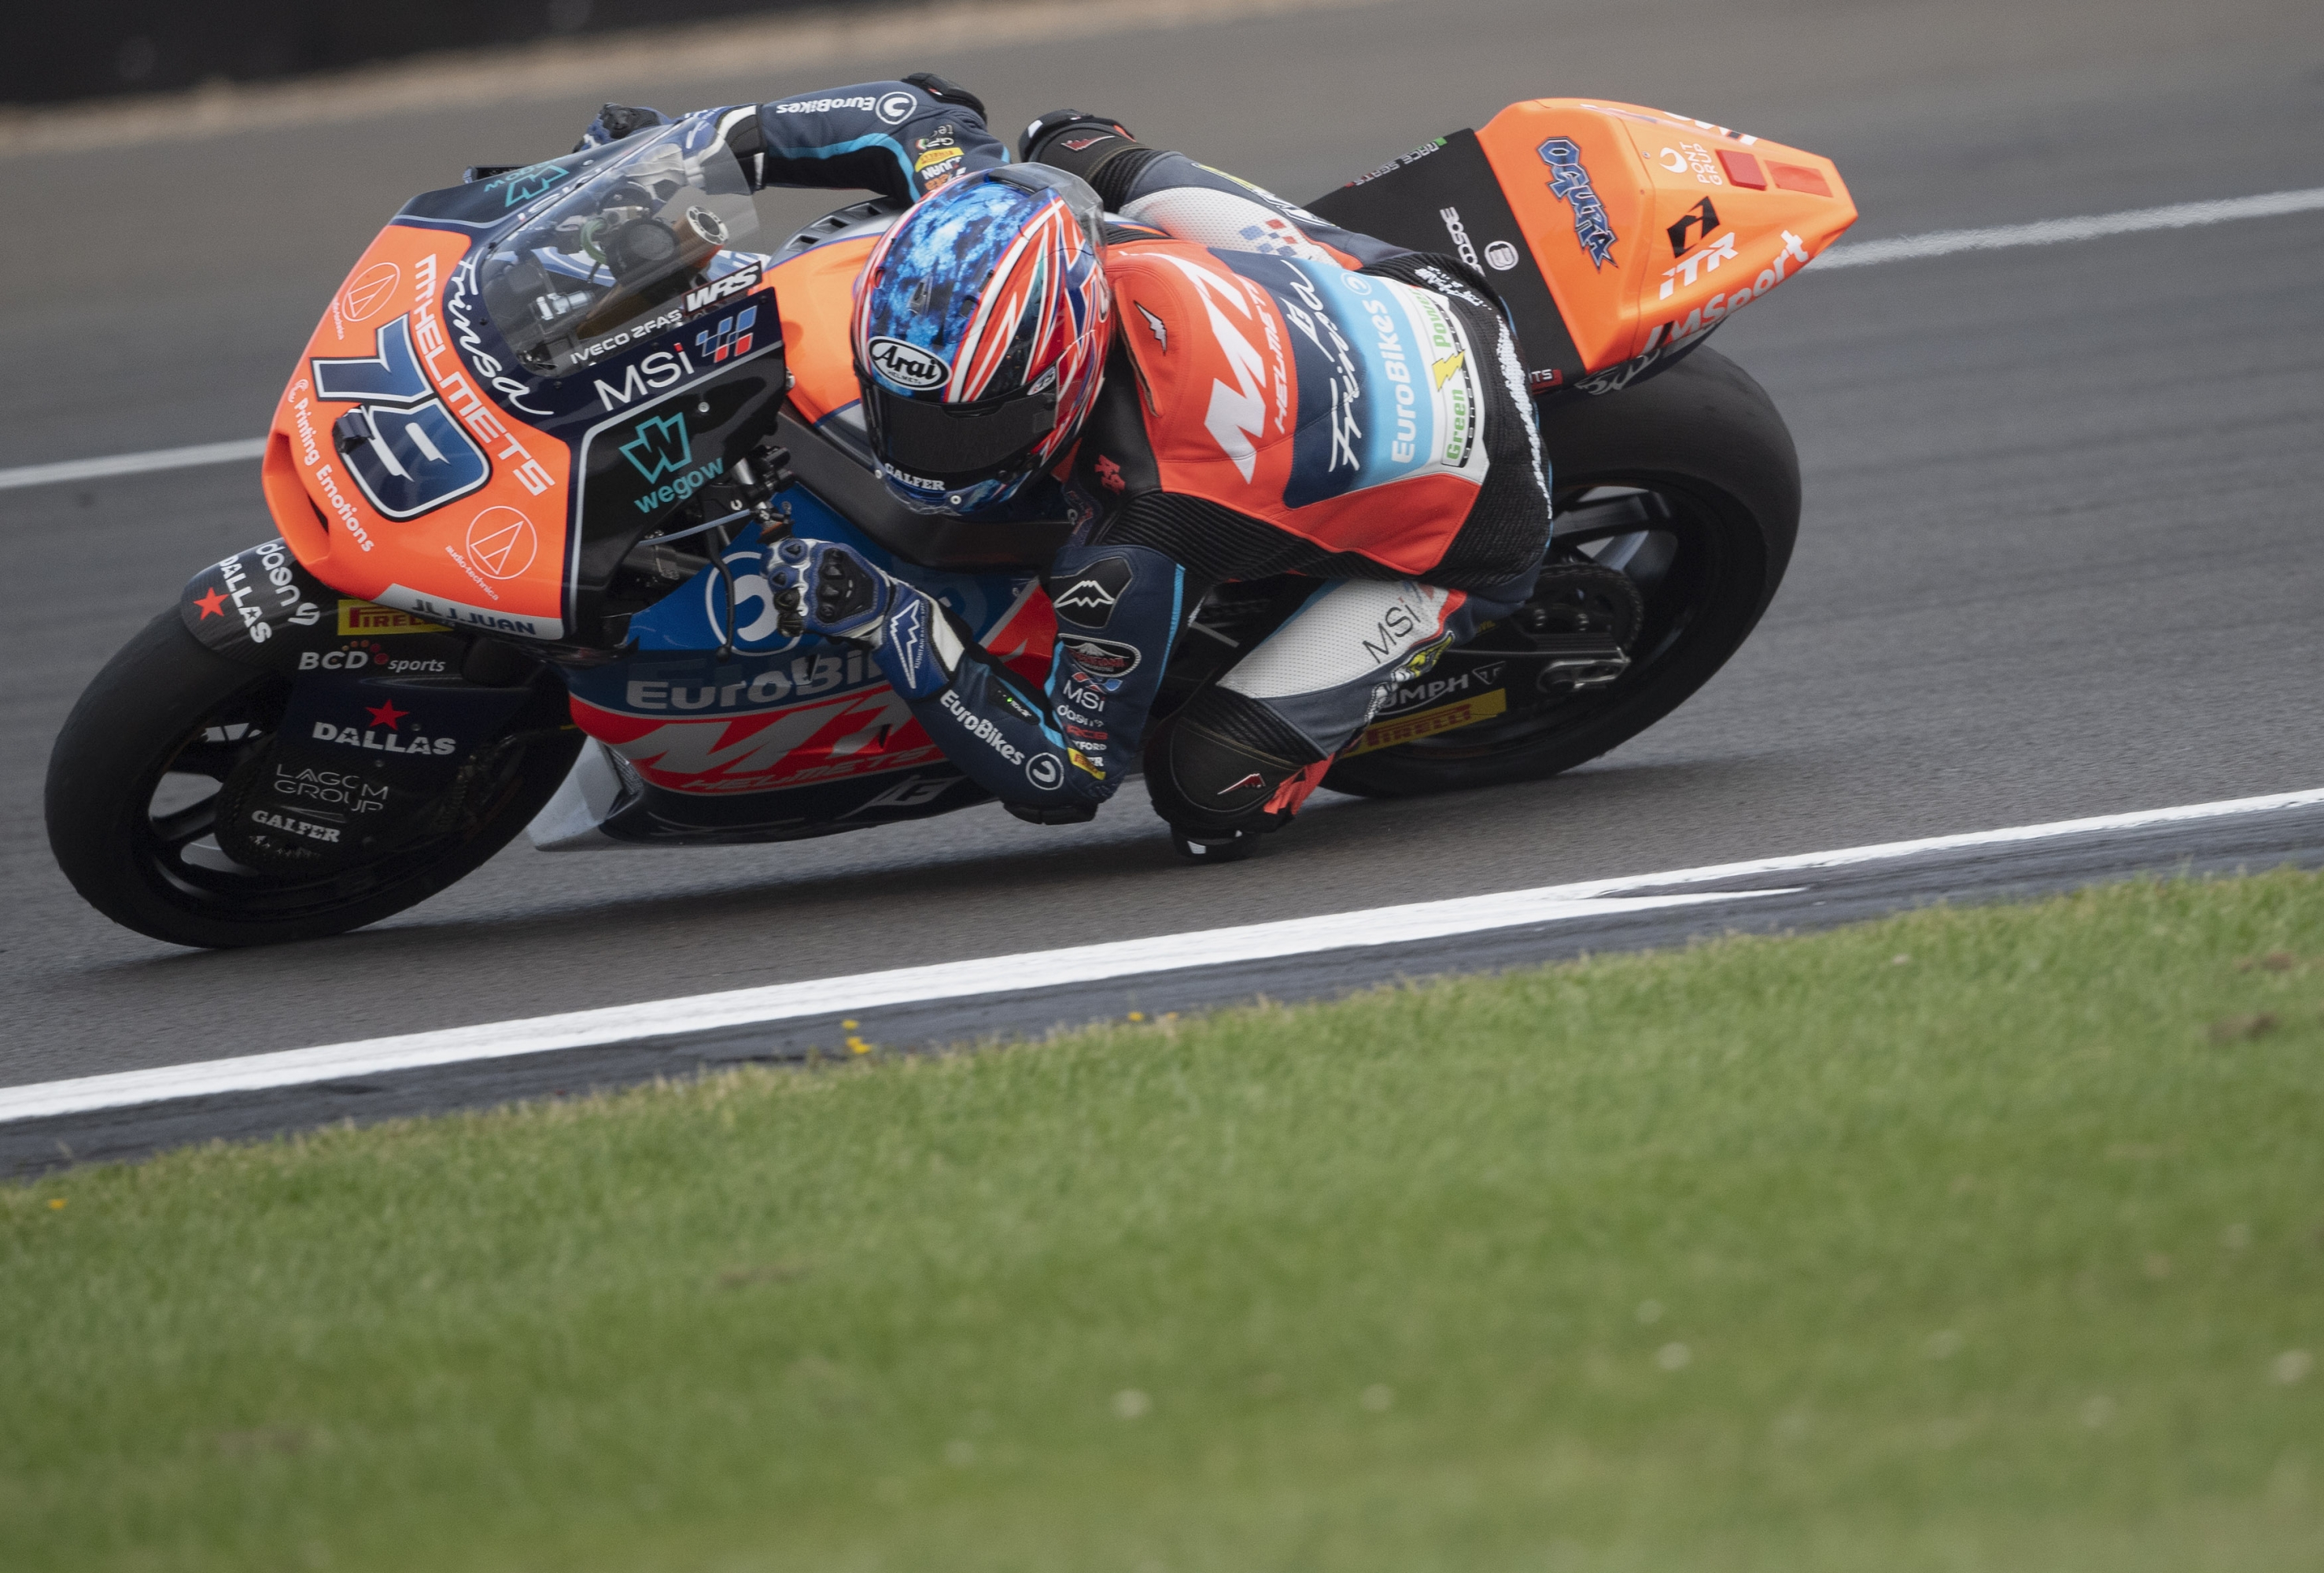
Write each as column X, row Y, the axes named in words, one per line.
column 907, row 365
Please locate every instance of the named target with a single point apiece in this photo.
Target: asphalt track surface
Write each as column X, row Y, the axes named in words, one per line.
column 125, row 1115
column 2060, row 556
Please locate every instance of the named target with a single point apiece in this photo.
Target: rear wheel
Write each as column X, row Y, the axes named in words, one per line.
column 135, row 781
column 1687, row 487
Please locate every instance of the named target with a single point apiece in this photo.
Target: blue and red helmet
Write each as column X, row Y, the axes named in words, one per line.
column 981, row 325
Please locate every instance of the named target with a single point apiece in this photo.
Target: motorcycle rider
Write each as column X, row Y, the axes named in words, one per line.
column 1211, row 384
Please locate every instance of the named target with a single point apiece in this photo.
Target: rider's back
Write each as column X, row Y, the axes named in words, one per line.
column 1277, row 410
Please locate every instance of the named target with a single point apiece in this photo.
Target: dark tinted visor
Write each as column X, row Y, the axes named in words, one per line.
column 955, row 443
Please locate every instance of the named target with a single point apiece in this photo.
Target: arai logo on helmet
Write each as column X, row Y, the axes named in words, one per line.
column 907, row 365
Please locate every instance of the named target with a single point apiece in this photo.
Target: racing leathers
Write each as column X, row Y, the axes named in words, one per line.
column 1282, row 397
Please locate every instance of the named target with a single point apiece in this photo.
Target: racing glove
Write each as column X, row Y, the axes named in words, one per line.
column 823, row 588
column 616, row 121
column 1099, row 150
column 946, row 91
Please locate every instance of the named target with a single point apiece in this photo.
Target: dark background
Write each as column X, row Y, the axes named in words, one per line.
column 55, row 51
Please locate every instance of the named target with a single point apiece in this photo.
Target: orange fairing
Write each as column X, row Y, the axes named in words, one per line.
column 1652, row 228
column 493, row 555
column 816, row 292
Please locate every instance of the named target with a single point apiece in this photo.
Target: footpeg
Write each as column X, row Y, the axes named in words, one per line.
column 1574, row 671
column 1581, row 621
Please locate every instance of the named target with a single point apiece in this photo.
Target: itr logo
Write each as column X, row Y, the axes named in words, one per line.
column 659, row 447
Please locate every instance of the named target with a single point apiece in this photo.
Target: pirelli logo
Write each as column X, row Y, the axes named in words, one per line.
column 1403, row 729
column 367, row 617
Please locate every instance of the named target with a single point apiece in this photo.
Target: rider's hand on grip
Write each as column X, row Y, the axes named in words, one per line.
column 826, row 588
column 617, row 121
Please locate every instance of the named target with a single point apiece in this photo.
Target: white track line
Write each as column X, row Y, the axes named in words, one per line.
column 1858, row 254
column 863, row 991
column 2055, row 230
column 1034, row 970
column 216, row 453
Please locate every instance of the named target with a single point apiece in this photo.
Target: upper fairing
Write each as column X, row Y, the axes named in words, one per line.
column 427, row 457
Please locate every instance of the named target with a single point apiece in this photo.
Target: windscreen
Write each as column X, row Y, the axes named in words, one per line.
column 615, row 258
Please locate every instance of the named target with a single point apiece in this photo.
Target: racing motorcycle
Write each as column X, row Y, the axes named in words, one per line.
column 527, row 469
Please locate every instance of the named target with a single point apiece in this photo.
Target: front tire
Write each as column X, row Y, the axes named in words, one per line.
column 128, row 814
column 1689, row 484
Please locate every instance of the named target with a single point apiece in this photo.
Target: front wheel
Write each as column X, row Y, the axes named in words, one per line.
column 1686, row 486
column 137, row 773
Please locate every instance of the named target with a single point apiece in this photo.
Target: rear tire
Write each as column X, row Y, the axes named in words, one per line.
column 168, row 712
column 1689, row 481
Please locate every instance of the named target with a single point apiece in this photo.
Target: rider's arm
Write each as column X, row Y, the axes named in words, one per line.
column 901, row 139
column 1184, row 199
column 1054, row 753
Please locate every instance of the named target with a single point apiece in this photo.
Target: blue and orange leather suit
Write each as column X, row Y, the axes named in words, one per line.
column 1283, row 397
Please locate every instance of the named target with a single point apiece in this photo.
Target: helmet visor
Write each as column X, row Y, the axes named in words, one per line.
column 957, row 444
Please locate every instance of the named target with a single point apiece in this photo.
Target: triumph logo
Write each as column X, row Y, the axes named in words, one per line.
column 907, row 365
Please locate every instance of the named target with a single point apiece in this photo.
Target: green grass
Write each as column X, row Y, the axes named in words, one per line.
column 1785, row 1254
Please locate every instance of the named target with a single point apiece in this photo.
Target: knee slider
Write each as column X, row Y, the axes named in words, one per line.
column 1220, row 760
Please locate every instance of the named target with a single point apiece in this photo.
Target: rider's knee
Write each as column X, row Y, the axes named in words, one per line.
column 1226, row 762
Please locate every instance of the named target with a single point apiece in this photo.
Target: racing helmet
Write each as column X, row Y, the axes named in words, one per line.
column 981, row 329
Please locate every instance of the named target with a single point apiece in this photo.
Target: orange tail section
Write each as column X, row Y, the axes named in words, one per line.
column 1651, row 229
column 1613, row 233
